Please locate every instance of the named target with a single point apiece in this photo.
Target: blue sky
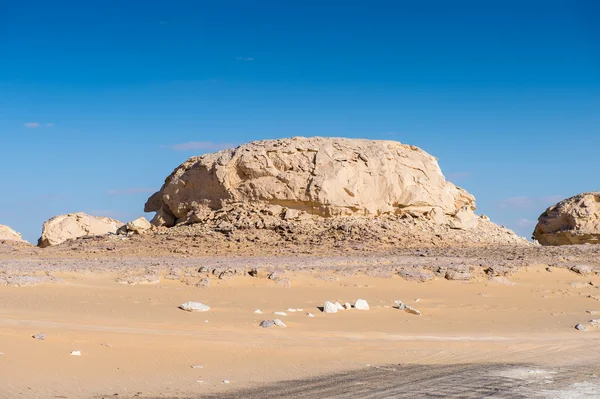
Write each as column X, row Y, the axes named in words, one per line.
column 101, row 100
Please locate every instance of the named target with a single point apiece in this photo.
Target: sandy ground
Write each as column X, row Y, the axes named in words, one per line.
column 135, row 342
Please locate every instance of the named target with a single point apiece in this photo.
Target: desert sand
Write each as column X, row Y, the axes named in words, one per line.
column 135, row 342
column 286, row 226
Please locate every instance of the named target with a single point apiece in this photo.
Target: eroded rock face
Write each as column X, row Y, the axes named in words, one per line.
column 73, row 225
column 575, row 220
column 8, row 234
column 137, row 226
column 315, row 176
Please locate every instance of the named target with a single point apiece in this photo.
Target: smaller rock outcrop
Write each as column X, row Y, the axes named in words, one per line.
column 575, row 220
column 137, row 226
column 73, row 225
column 8, row 234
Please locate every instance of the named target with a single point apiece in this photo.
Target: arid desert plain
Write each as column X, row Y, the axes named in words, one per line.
column 304, row 268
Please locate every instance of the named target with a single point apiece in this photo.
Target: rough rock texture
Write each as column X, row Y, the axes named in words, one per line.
column 303, row 177
column 575, row 220
column 329, row 307
column 8, row 234
column 137, row 226
column 73, row 225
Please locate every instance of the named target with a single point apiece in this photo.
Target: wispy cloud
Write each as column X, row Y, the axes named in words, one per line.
column 525, row 223
column 524, row 202
column 195, row 81
column 131, row 191
column 33, row 125
column 458, row 176
column 244, row 58
column 200, row 145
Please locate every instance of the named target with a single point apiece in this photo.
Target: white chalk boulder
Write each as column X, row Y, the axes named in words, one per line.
column 194, row 307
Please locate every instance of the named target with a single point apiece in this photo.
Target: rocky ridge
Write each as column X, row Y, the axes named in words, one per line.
column 323, row 177
column 8, row 234
column 575, row 220
column 74, row 225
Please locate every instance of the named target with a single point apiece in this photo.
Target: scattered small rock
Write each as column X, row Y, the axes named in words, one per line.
column 266, row 323
column 580, row 284
column 75, row 353
column 458, row 275
column 499, row 271
column 347, row 306
column 411, row 310
column 280, row 313
column 419, row 276
column 143, row 279
column 329, row 307
column 40, row 336
column 407, row 308
column 225, row 381
column 310, row 314
column 194, row 307
column 580, row 327
column 258, row 311
column 361, row 304
column 197, row 366
column 582, row 269
column 594, row 322
column 339, row 306
column 27, row 281
column 274, row 276
column 279, row 323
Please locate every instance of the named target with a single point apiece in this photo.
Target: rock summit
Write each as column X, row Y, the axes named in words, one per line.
column 325, row 177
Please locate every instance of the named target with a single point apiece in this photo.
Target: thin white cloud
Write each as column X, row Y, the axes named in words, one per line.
column 196, row 81
column 200, row 145
column 524, row 223
column 244, row 58
column 33, row 125
column 552, row 199
column 131, row 191
column 516, row 202
column 458, row 176
column 524, row 202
